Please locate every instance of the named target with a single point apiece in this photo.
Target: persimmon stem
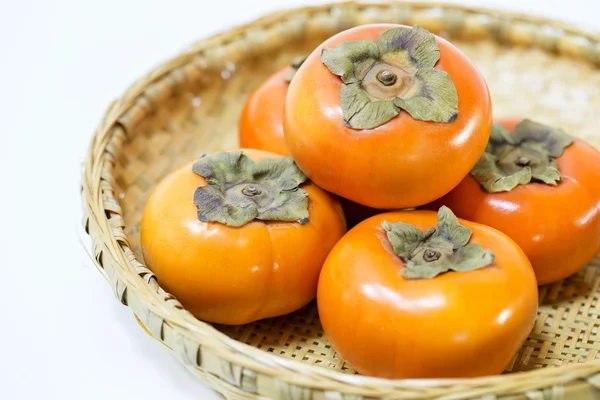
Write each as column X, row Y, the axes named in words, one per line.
column 387, row 77
column 394, row 73
column 528, row 154
column 523, row 161
column 431, row 255
column 240, row 190
column 251, row 191
column 437, row 250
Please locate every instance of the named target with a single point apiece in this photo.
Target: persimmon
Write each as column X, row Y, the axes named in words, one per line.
column 261, row 127
column 239, row 236
column 541, row 187
column 387, row 116
column 401, row 298
column 261, row 122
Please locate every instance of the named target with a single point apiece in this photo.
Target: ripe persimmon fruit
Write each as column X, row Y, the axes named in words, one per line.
column 387, row 116
column 261, row 122
column 261, row 127
column 541, row 187
column 399, row 297
column 239, row 236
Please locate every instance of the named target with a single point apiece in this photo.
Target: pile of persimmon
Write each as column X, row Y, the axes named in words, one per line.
column 462, row 218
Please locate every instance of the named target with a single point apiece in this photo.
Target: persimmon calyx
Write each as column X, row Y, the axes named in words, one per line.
column 296, row 63
column 392, row 74
column 528, row 155
column 437, row 250
column 240, row 190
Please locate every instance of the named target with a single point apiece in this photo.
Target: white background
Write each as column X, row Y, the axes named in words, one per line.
column 62, row 333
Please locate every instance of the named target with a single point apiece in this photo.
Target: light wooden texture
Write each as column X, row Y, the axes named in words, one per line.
column 190, row 105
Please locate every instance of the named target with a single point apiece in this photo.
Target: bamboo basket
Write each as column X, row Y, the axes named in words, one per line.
column 190, row 105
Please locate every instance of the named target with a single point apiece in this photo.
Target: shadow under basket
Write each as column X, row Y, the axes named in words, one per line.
column 190, row 105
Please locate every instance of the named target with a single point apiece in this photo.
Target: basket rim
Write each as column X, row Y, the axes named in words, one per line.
column 246, row 356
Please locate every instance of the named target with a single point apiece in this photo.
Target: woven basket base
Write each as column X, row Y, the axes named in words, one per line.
column 202, row 115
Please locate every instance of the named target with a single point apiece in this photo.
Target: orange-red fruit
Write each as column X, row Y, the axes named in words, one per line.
column 558, row 227
column 458, row 324
column 261, row 123
column 402, row 163
column 234, row 275
column 261, row 127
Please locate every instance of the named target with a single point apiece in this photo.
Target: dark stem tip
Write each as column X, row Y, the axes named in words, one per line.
column 431, row 255
column 251, row 191
column 386, row 77
column 522, row 161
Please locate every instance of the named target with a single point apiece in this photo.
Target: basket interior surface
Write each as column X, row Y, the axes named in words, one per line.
column 201, row 116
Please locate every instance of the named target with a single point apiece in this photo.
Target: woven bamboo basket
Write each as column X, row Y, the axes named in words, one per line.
column 190, row 105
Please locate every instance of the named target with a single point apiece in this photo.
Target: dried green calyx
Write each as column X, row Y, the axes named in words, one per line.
column 295, row 65
column 240, row 190
column 392, row 74
column 528, row 155
column 428, row 254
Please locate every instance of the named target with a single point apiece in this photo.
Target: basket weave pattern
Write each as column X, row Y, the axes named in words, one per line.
column 191, row 104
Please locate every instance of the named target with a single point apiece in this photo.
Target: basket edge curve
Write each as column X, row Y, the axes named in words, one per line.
column 225, row 363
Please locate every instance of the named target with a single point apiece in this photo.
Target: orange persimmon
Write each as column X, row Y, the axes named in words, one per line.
column 239, row 236
column 387, row 116
column 399, row 298
column 261, row 122
column 543, row 190
column 261, row 127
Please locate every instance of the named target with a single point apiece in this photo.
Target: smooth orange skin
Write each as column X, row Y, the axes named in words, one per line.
column 261, row 127
column 402, row 163
column 231, row 275
column 558, row 227
column 261, row 123
column 458, row 324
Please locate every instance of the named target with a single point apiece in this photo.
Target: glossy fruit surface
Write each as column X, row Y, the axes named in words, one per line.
column 235, row 275
column 558, row 227
column 261, row 123
column 457, row 324
column 402, row 163
column 261, row 127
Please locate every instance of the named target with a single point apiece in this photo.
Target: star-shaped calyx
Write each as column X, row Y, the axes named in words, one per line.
column 240, row 190
column 437, row 250
column 392, row 74
column 528, row 155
